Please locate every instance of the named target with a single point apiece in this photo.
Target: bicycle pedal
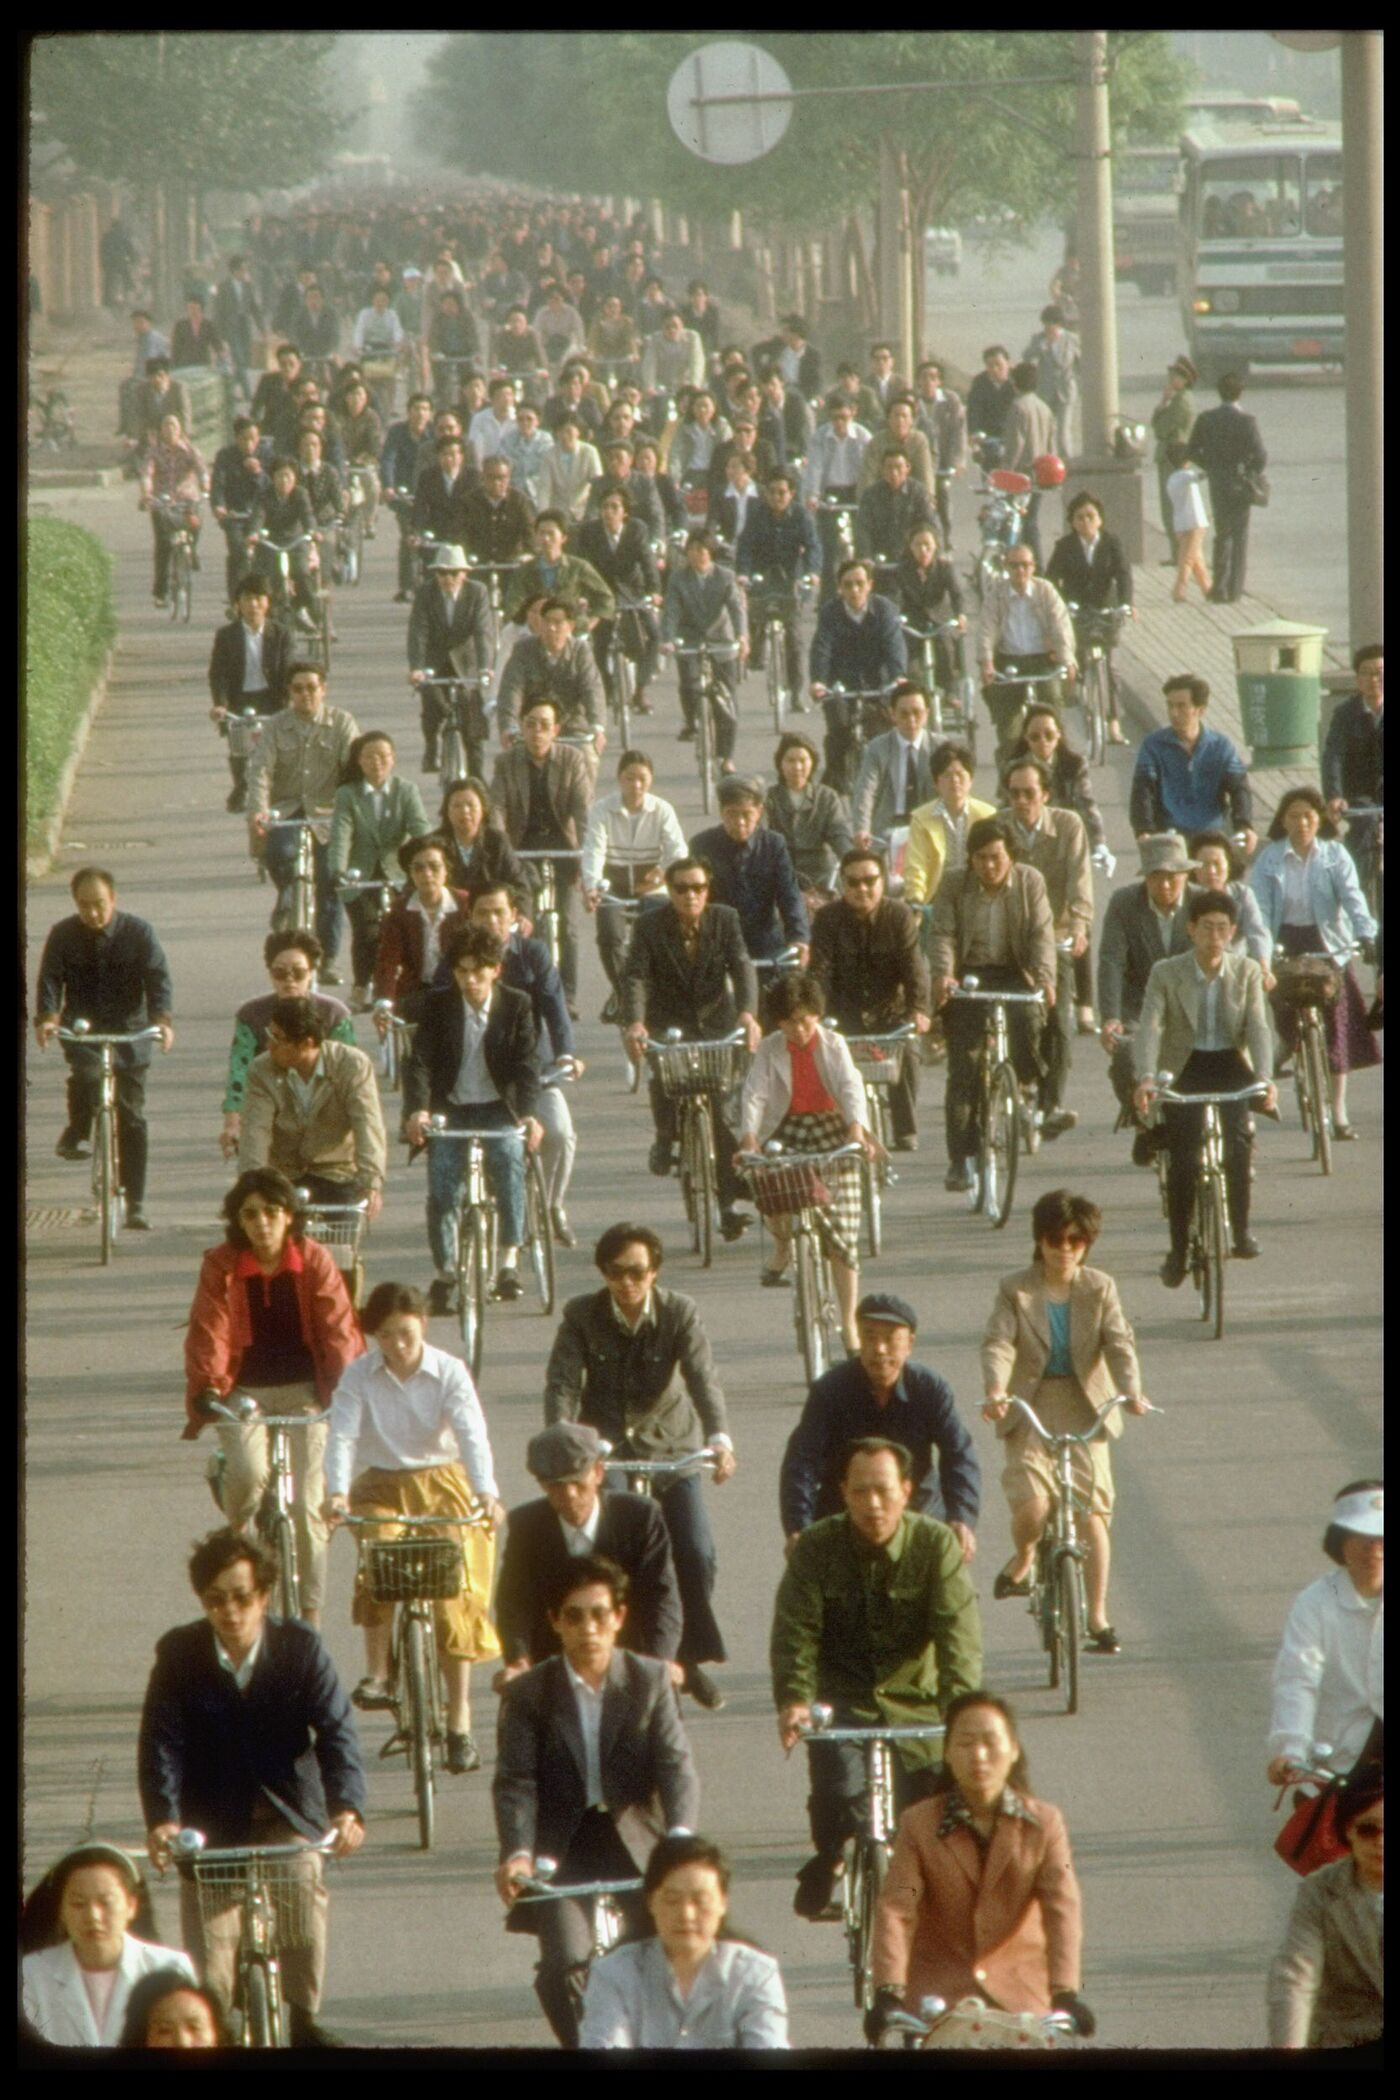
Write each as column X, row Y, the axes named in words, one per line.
column 396, row 1746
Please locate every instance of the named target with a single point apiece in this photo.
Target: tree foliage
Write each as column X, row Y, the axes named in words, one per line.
column 207, row 110
column 588, row 112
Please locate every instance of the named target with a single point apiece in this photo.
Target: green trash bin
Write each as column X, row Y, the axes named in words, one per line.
column 1278, row 673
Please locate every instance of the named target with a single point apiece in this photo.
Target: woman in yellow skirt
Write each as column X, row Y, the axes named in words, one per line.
column 411, row 1422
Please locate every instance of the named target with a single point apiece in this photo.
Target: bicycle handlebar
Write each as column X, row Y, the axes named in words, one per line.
column 934, row 2011
column 1079, row 1436
column 477, row 1518
column 249, row 1414
column 80, row 1032
column 1011, row 676
column 929, row 634
column 437, row 1128
column 653, row 1468
column 673, row 1041
column 785, row 959
column 1165, row 1093
column 748, row 1161
column 552, row 852
column 721, row 652
column 191, row 1845
column 820, row 1729
column 903, row 1034
column 539, row 1887
column 970, row 989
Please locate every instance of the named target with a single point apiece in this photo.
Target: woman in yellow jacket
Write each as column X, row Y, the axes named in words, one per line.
column 938, row 829
column 1058, row 1338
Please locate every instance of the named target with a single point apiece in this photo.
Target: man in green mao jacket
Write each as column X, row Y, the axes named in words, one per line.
column 876, row 1617
column 1173, row 419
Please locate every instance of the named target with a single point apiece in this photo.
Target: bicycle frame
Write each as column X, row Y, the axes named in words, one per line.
column 262, row 1872
column 814, row 1306
column 540, row 866
column 274, row 1516
column 106, row 1176
column 1208, row 1248
column 995, row 1057
column 705, row 655
column 303, row 883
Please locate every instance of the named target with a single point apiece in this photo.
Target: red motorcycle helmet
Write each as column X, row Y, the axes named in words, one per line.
column 1048, row 471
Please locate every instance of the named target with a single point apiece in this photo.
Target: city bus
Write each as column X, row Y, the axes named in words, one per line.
column 1260, row 271
column 1145, row 186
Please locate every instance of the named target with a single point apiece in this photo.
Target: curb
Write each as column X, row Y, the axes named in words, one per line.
column 40, row 851
column 74, row 477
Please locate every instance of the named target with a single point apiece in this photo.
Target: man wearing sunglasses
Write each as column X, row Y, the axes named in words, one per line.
column 633, row 1362
column 868, row 961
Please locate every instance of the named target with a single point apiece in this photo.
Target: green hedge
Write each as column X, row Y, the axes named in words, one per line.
column 71, row 623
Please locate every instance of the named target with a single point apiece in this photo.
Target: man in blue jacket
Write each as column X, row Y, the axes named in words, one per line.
column 247, row 1736
column 1189, row 778
column 752, row 870
column 779, row 543
column 881, row 1393
column 859, row 644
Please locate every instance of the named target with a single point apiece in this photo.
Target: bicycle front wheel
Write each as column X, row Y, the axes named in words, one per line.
column 806, row 1306
column 104, row 1181
column 1071, row 1615
column 1313, row 1049
column 356, row 549
column 1096, row 709
column 1000, row 1145
column 872, row 1203
column 1045, row 1604
column 776, row 695
column 874, row 1863
column 260, row 2022
column 280, row 1534
column 541, row 1243
column 471, row 1289
column 703, row 1182
column 704, row 749
column 624, row 678
column 452, row 757
column 420, row 1725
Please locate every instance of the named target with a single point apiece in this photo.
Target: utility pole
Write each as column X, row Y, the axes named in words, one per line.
column 1363, row 224
column 1118, row 481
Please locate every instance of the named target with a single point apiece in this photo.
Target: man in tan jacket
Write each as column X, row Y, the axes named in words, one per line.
column 312, row 1111
column 299, row 764
column 992, row 918
column 1055, row 842
column 1205, row 1018
column 1024, row 627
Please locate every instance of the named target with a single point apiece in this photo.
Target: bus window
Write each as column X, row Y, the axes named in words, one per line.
column 1250, row 197
column 1323, row 208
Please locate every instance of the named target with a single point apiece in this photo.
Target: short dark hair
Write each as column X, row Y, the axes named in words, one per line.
column 151, row 1990
column 278, row 943
column 448, row 438
column 551, row 517
column 856, row 561
column 996, row 350
column 687, row 1850
column 791, row 741
column 857, row 856
column 989, row 831
column 894, row 451
column 1019, row 1776
column 612, row 1242
column 950, row 753
column 700, row 538
column 475, row 947
column 1054, row 314
column 1302, row 793
column 1020, row 763
column 1187, row 682
column 409, row 851
column 1233, row 857
column 1212, row 901
column 556, row 605
column 274, row 1188
column 636, row 758
column 905, row 687
column 1369, row 652
column 871, row 1447
column 1231, row 386
column 300, row 667
column 1058, row 1211
column 690, row 860
column 389, row 1298
column 297, row 1021
column 1078, row 502
column 581, row 1574
column 1364, row 1789
column 530, row 702
column 224, row 1549
column 798, row 992
column 1025, row 377
column 1335, row 1534
column 614, row 496
column 252, row 587
column 782, row 474
column 91, row 874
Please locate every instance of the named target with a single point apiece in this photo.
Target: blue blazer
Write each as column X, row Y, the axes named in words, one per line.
column 207, row 1752
column 1334, row 895
column 860, row 655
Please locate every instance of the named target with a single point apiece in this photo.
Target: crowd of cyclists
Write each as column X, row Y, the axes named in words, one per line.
column 585, row 481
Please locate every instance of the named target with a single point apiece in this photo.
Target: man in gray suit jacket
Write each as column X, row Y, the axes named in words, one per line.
column 592, row 1767
column 1205, row 1018
column 896, row 769
column 1142, row 926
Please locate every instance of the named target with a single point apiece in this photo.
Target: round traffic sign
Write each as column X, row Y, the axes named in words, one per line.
column 739, row 126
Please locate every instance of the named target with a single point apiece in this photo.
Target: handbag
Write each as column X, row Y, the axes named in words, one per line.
column 1255, row 484
column 1309, row 1839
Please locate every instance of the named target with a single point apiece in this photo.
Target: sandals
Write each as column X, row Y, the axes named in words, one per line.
column 1105, row 1641
column 775, row 1279
column 371, row 1696
column 1004, row 1587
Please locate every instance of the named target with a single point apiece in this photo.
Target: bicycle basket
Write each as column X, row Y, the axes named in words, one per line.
column 972, row 2025
column 290, row 1886
column 398, row 1570
column 697, row 1068
column 878, row 1063
column 340, row 1237
column 1305, row 981
column 778, row 1189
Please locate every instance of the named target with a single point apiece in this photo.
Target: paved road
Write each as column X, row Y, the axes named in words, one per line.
column 1300, row 417
column 1222, row 1501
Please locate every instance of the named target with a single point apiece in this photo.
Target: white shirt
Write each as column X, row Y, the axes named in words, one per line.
column 1329, row 1678
column 580, row 1538
column 1022, row 633
column 742, row 499
column 473, row 1082
column 304, row 1089
column 239, row 1672
column 254, row 676
column 486, row 432
column 432, row 931
column 405, row 1425
column 1209, row 1035
column 1164, row 927
column 590, row 1720
column 955, row 835
column 647, row 837
column 1189, row 513
column 1090, row 548
column 1297, row 906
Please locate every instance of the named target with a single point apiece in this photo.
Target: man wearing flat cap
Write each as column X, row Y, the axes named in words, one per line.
column 1143, row 924
column 451, row 634
column 881, row 1393
column 575, row 1517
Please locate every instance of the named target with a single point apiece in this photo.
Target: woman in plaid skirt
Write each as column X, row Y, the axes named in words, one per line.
column 804, row 1090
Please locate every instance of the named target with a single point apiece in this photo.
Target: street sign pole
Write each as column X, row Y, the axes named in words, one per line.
column 1363, row 225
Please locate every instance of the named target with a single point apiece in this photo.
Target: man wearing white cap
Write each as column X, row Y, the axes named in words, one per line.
column 1329, row 1679
column 451, row 633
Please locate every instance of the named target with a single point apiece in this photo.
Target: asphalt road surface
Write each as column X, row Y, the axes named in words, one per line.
column 1222, row 1500
column 1297, row 547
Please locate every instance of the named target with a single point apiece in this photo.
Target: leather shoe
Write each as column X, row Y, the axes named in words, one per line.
column 686, row 734
column 70, row 1146
column 1173, row 1271
column 328, row 974
column 960, row 1177
column 816, row 1887
column 508, row 1285
column 1004, row 1587
column 1104, row 1642
column 1344, row 1133
column 775, row 1279
column 703, row 1689
column 659, row 1159
column 733, row 1224
column 905, row 1144
column 136, row 1219
column 1056, row 1122
column 371, row 1696
column 563, row 1231
column 235, row 803
column 462, row 1753
column 1144, row 1149
column 1246, row 1247
column 440, row 1297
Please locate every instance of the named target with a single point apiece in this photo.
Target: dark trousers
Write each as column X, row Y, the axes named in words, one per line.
column 595, row 1853
column 1231, row 546
column 682, row 1504
column 84, row 1091
column 1007, row 704
column 724, row 721
column 408, row 561
column 964, row 1027
column 663, row 1115
column 280, row 858
column 1057, row 1039
column 366, row 918
column 1030, row 530
column 903, row 1095
column 792, row 647
column 1121, row 1076
column 1363, row 842
column 942, row 484
column 235, row 554
column 640, row 640
column 837, row 1805
column 1209, row 1072
column 164, row 529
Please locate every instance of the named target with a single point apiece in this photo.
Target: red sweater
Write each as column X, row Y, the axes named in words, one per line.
column 220, row 1331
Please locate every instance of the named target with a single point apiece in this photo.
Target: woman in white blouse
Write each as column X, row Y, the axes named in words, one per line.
column 408, row 1437
column 687, row 1984
column 85, row 1957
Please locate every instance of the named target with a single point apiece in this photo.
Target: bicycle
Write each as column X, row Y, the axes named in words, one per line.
column 631, row 908
column 879, row 1060
column 1057, row 1584
column 1097, row 630
column 106, row 1180
column 789, row 1183
column 709, row 701
column 273, row 1518
column 1001, row 523
column 973, row 2024
column 412, row 1570
column 778, row 607
column 463, row 736
column 350, row 542
column 866, row 716
column 841, row 512
column 689, row 1074
column 606, row 1918
column 1002, row 1112
column 867, row 1854
column 545, row 911
column 396, row 1044
column 491, row 573
column 350, row 884
column 274, row 1888
column 1309, row 984
column 180, row 575
column 299, row 911
column 950, row 714
column 244, row 731
column 1209, row 1243
column 340, row 1229
column 620, row 668
column 477, row 1232
column 306, row 621
column 447, row 378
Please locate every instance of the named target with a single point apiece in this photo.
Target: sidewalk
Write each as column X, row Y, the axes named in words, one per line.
column 1196, row 637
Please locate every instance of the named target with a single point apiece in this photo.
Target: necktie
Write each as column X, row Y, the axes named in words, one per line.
column 911, row 782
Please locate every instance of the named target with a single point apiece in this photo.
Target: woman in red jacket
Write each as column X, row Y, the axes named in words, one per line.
column 271, row 1318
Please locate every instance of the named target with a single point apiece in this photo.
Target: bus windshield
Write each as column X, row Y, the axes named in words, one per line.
column 1251, row 196
column 1322, row 209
